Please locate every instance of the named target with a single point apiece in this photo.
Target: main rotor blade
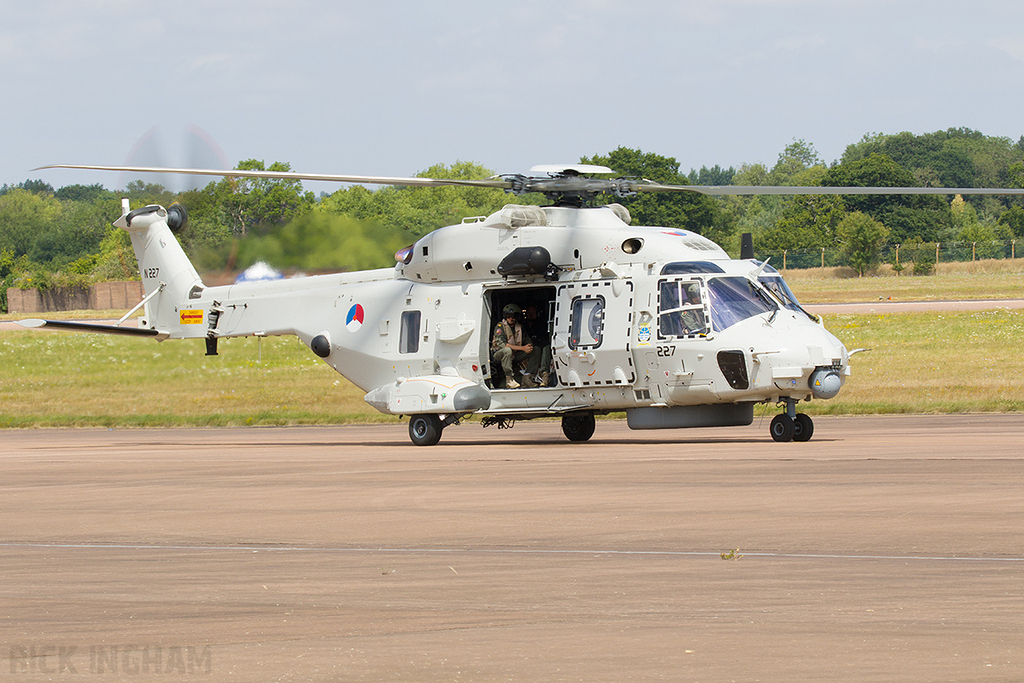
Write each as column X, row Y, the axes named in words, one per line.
column 288, row 175
column 557, row 185
column 641, row 186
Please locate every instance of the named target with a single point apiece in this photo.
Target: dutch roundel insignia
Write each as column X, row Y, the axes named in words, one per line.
column 355, row 318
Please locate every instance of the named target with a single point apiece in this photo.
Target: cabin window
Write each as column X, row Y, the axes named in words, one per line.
column 680, row 309
column 587, row 323
column 410, row 336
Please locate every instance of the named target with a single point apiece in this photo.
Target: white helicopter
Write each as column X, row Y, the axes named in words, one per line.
column 658, row 322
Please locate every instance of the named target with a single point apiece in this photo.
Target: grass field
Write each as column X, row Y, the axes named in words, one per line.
column 931, row 363
column 73, row 379
column 918, row 363
column 995, row 279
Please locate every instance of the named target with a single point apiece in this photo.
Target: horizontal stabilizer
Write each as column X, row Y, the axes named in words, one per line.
column 89, row 327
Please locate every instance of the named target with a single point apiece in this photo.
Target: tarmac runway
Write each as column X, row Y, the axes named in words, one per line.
column 886, row 549
column 890, row 306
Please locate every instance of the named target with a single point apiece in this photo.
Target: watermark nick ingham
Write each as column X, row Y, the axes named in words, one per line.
column 126, row 659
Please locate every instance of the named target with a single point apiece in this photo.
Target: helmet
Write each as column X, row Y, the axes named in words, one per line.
column 511, row 309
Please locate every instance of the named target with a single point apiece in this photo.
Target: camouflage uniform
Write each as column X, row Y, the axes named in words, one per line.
column 505, row 334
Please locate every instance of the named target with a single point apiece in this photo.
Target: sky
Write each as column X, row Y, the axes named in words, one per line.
column 392, row 88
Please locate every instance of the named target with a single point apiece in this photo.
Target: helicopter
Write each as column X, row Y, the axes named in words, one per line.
column 658, row 322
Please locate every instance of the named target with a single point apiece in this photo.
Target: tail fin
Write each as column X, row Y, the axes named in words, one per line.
column 168, row 277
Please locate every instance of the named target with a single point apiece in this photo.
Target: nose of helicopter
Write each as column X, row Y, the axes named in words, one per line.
column 808, row 360
column 831, row 361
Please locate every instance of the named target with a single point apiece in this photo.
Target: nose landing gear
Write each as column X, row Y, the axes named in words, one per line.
column 791, row 425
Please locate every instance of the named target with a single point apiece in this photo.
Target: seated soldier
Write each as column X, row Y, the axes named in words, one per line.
column 511, row 347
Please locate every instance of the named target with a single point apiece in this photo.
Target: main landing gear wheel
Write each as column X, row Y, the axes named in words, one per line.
column 782, row 428
column 425, row 430
column 785, row 428
column 578, row 427
column 803, row 427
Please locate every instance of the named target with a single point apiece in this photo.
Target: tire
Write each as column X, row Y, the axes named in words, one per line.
column 425, row 430
column 803, row 427
column 782, row 428
column 578, row 427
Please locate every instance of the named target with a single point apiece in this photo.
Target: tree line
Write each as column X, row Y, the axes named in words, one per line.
column 64, row 237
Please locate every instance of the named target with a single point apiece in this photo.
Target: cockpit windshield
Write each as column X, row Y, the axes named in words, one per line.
column 777, row 286
column 734, row 299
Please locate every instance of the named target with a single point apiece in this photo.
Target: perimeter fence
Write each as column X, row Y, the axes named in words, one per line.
column 902, row 255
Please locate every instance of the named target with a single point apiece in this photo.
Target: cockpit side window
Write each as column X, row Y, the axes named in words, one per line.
column 681, row 310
